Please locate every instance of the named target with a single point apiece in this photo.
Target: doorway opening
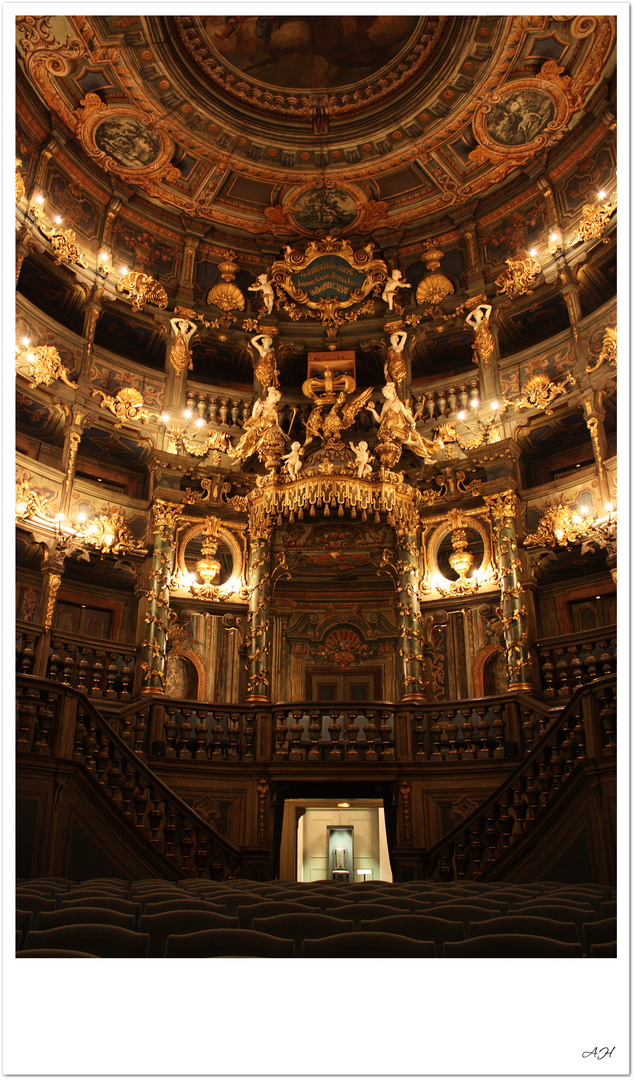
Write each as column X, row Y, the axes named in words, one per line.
column 335, row 839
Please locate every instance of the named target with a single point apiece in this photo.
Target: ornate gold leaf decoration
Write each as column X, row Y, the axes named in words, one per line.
column 63, row 245
column 226, row 296
column 520, row 276
column 608, row 352
column 433, row 289
column 28, row 504
column 593, row 223
column 127, row 404
column 539, row 391
column 20, row 190
column 143, row 289
column 44, row 366
column 108, row 534
column 559, row 526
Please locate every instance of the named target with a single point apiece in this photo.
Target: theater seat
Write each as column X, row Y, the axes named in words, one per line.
column 227, row 943
column 421, row 927
column 300, row 926
column 73, row 915
column 97, row 939
column 526, row 924
column 512, row 946
column 183, row 921
column 56, row 954
column 362, row 944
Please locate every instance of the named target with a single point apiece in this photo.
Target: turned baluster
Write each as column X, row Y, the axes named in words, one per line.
column 281, row 735
column 127, row 791
column 575, row 667
column 606, row 660
column 461, row 857
column 250, row 736
column 55, row 663
column 467, row 727
column 505, row 820
column 169, row 831
column 608, row 719
column 543, row 722
column 127, row 675
column 90, row 744
column 155, row 816
column 201, row 854
column 98, row 674
column 519, row 805
column 435, row 735
column 451, row 733
column 26, row 713
column 218, row 732
column 68, row 663
column 446, row 869
column 79, row 736
column 529, row 727
column 169, row 731
column 186, row 844
column 201, row 734
column 562, row 673
column 315, row 732
column 233, row 730
column 385, row 734
column 579, row 735
column 370, row 734
column 186, row 728
column 102, row 758
column 567, row 747
column 532, row 793
column 140, row 732
column 590, row 664
column 419, row 733
column 483, row 731
column 45, row 717
column 556, row 766
column 498, row 727
column 334, row 730
column 83, row 669
column 126, row 729
column 492, row 834
column 295, row 753
column 544, row 780
column 351, row 732
column 140, row 800
column 111, row 674
column 115, row 777
column 476, row 847
column 27, row 656
column 547, row 669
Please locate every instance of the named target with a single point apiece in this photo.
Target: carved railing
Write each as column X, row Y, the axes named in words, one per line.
column 60, row 720
column 101, row 669
column 472, row 730
column 574, row 660
column 27, row 637
column 584, row 728
column 343, row 731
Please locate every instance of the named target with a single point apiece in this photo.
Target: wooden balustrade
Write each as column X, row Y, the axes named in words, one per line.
column 101, row 669
column 588, row 719
column 472, row 730
column 26, row 640
column 168, row 823
column 576, row 659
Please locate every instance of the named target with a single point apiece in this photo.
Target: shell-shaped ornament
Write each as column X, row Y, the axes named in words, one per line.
column 433, row 288
column 226, row 296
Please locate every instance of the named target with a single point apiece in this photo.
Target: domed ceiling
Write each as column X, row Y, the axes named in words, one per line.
column 290, row 126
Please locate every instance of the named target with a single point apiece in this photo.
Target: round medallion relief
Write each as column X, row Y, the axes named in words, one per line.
column 128, row 141
column 519, row 117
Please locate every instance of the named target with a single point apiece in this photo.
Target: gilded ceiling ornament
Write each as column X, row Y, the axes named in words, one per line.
column 559, row 526
column 213, row 444
column 142, row 289
column 227, row 296
column 520, row 276
column 127, row 404
column 431, row 256
column 109, row 534
column 20, row 190
column 124, row 140
column 63, row 245
column 523, row 116
column 539, row 391
column 44, row 365
column 608, row 352
column 28, row 504
column 447, row 434
column 433, row 289
column 593, row 223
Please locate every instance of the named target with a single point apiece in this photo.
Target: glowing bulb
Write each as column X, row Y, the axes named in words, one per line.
column 532, row 251
column 461, row 415
column 200, row 422
column 25, row 340
column 31, row 357
column 81, row 516
column 39, row 199
column 584, row 510
column 609, row 506
column 58, row 220
column 59, row 517
column 494, row 404
column 165, row 417
column 187, row 414
column 601, row 194
column 553, row 237
column 474, row 403
column 124, row 270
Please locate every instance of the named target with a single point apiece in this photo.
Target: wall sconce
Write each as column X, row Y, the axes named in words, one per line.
column 104, row 262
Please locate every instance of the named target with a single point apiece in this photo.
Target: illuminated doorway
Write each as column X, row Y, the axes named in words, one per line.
column 306, row 826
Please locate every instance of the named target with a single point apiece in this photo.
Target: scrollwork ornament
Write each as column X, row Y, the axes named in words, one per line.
column 142, row 289
column 539, row 391
column 593, row 223
column 44, row 366
column 608, row 353
column 519, row 277
column 127, row 404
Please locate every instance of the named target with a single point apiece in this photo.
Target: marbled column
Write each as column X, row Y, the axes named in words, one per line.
column 165, row 518
column 514, row 612
column 259, row 637
column 409, row 616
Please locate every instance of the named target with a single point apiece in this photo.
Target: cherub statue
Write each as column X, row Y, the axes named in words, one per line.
column 483, row 345
column 395, row 366
column 266, row 288
column 397, row 429
column 362, row 459
column 180, row 353
column 293, row 462
column 261, row 424
column 265, row 370
column 393, row 283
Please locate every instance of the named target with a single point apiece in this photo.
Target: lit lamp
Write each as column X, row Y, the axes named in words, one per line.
column 461, row 559
column 208, row 567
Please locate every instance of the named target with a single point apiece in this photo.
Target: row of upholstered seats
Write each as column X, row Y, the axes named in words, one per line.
column 164, row 910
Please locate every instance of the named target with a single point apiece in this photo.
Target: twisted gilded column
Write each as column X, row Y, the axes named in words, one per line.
column 514, row 612
column 409, row 611
column 165, row 519
column 259, row 636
